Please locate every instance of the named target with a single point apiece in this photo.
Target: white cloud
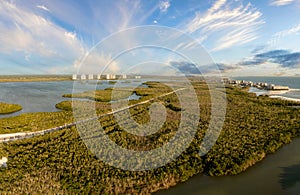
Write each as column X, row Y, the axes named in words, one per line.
column 43, row 8
column 164, row 5
column 217, row 6
column 97, row 63
column 281, row 2
column 279, row 36
column 293, row 30
column 27, row 32
column 226, row 24
column 27, row 57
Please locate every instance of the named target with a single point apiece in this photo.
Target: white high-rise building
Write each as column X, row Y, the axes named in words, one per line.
column 83, row 77
column 110, row 76
column 74, row 76
column 91, row 77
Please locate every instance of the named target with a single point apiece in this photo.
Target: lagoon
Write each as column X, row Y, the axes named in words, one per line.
column 43, row 96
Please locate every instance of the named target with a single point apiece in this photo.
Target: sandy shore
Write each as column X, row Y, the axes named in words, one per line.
column 285, row 98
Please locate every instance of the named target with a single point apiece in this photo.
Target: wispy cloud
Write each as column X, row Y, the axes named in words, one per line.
column 43, row 8
column 279, row 36
column 96, row 63
column 96, row 20
column 164, row 5
column 281, row 2
column 291, row 31
column 28, row 33
column 228, row 23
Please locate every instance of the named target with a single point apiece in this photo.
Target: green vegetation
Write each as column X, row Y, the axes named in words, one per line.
column 112, row 94
column 100, row 107
column 6, row 108
column 34, row 121
column 102, row 95
column 254, row 127
column 34, row 78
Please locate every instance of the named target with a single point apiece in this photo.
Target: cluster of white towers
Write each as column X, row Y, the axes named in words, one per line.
column 98, row 76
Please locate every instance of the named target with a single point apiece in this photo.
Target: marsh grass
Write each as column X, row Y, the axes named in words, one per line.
column 34, row 78
column 6, row 108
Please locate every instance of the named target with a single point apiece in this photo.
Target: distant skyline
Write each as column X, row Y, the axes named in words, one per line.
column 244, row 38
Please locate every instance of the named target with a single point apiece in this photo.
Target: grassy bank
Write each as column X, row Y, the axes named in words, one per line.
column 254, row 127
column 34, row 121
column 6, row 108
column 102, row 95
column 34, row 78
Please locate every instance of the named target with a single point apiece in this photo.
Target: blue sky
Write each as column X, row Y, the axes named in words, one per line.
column 242, row 37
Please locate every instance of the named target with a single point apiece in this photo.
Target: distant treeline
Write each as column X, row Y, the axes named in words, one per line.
column 33, row 78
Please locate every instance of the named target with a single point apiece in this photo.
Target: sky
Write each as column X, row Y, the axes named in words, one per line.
column 237, row 37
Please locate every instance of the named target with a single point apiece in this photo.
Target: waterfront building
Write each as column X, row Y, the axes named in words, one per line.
column 83, row 77
column 110, row 76
column 90, row 76
column 74, row 76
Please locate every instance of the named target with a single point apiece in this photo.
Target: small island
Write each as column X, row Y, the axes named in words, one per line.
column 6, row 108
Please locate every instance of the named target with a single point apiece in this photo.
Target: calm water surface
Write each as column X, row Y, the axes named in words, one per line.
column 278, row 173
column 42, row 96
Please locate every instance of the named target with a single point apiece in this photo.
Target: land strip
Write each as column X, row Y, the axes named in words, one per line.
column 34, row 78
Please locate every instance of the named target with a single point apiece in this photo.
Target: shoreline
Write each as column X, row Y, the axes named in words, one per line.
column 285, row 98
column 277, row 94
column 263, row 88
column 33, row 78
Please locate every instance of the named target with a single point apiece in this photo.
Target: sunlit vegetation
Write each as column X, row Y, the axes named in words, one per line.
column 34, row 78
column 154, row 89
column 254, row 127
column 106, row 95
column 6, row 108
column 34, row 121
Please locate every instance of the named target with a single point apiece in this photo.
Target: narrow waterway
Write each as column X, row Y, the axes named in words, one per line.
column 278, row 173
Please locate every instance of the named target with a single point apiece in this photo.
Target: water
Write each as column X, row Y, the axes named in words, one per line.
column 42, row 96
column 292, row 82
column 278, row 173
